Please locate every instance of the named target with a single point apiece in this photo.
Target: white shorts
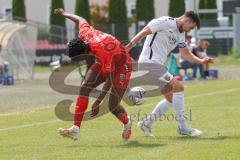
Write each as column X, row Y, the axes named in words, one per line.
column 152, row 74
column 156, row 71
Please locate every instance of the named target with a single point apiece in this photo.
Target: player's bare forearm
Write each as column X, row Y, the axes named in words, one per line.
column 104, row 91
column 75, row 18
column 189, row 56
column 96, row 104
column 143, row 33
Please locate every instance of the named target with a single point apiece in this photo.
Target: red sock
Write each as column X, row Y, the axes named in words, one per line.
column 80, row 108
column 123, row 118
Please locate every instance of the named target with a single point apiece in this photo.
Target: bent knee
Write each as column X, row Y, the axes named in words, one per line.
column 86, row 89
column 177, row 86
column 180, row 88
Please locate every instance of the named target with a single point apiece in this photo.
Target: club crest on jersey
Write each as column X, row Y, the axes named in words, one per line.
column 122, row 77
column 167, row 77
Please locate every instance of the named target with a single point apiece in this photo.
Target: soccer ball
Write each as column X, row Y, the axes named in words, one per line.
column 137, row 95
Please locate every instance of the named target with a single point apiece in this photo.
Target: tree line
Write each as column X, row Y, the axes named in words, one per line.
column 117, row 13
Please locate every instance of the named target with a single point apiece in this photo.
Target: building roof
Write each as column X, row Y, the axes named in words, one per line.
column 45, row 45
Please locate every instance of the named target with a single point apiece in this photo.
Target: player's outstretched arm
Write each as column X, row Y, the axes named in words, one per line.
column 143, row 33
column 187, row 55
column 73, row 17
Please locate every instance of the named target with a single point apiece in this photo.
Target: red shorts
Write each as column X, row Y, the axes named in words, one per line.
column 120, row 76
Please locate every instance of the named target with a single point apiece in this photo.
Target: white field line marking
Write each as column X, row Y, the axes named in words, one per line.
column 199, row 95
column 55, row 121
column 28, row 125
column 213, row 93
column 25, row 111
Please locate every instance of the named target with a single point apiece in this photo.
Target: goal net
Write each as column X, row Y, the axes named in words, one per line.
column 18, row 47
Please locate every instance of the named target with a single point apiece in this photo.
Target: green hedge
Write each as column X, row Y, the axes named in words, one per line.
column 176, row 8
column 58, row 27
column 118, row 16
column 18, row 10
column 145, row 10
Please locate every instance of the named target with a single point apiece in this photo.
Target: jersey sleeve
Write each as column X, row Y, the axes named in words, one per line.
column 182, row 42
column 162, row 23
column 83, row 28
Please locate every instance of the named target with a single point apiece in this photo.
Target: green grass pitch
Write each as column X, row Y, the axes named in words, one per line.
column 214, row 106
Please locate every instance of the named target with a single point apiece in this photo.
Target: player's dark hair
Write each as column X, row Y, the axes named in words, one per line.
column 76, row 47
column 194, row 17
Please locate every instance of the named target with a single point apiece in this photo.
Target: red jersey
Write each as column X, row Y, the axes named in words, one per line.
column 106, row 48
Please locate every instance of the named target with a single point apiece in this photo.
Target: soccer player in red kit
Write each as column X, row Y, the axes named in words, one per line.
column 112, row 66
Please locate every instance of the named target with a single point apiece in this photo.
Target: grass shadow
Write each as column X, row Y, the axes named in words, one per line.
column 151, row 144
column 135, row 143
column 201, row 138
column 130, row 144
column 213, row 138
column 84, row 146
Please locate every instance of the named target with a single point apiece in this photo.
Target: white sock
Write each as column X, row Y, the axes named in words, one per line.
column 178, row 104
column 160, row 109
column 74, row 127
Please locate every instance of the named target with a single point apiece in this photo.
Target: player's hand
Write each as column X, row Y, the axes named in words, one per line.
column 128, row 46
column 207, row 60
column 95, row 108
column 59, row 11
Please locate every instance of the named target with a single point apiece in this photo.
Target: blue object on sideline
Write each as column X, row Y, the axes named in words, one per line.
column 213, row 73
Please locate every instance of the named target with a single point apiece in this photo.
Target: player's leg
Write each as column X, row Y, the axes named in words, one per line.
column 205, row 68
column 120, row 79
column 177, row 100
column 117, row 110
column 92, row 80
column 195, row 67
column 178, row 104
column 146, row 124
column 176, row 97
column 201, row 69
column 162, row 107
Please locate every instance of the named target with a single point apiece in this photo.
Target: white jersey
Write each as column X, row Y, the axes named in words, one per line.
column 165, row 38
column 202, row 54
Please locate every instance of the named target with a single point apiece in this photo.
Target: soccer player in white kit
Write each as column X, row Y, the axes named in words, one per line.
column 162, row 36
